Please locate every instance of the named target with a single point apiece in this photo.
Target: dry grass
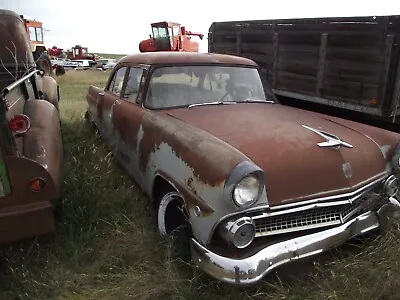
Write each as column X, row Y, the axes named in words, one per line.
column 106, row 246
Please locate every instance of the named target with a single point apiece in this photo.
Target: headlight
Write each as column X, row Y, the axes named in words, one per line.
column 247, row 191
column 239, row 233
column 245, row 185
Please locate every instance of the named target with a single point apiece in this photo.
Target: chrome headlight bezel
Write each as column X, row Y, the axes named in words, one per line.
column 242, row 171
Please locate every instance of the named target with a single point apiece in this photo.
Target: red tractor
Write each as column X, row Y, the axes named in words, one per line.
column 170, row 36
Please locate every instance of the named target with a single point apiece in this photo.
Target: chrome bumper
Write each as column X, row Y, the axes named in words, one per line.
column 252, row 269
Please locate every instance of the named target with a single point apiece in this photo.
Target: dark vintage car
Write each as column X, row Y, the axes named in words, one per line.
column 260, row 184
column 31, row 151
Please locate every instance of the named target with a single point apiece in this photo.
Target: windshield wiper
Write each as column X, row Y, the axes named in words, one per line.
column 212, row 103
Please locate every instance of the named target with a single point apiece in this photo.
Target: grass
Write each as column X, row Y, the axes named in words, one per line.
column 106, row 245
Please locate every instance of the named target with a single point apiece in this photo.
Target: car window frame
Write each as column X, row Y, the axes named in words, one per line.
column 112, row 81
column 155, row 67
column 136, row 101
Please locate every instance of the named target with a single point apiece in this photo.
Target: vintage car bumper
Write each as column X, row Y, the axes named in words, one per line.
column 18, row 222
column 251, row 269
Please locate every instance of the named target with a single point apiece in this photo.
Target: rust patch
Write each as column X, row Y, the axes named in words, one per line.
column 210, row 158
column 127, row 118
column 296, row 168
column 189, row 194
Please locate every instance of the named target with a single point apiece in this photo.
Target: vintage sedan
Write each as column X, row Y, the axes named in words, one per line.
column 260, row 184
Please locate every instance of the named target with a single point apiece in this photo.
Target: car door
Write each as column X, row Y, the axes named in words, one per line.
column 111, row 94
column 127, row 117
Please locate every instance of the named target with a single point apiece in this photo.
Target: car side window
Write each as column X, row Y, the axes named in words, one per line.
column 117, row 81
column 132, row 85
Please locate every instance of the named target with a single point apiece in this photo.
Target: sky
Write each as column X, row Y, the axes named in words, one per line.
column 118, row 26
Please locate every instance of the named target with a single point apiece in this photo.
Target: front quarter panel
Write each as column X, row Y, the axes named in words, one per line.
column 195, row 161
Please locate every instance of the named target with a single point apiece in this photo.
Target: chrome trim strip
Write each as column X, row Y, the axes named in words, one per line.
column 265, row 214
column 252, row 269
column 381, row 176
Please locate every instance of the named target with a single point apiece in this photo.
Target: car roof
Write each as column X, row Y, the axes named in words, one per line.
column 169, row 57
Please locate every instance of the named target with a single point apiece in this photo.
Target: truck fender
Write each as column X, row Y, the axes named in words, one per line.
column 48, row 87
column 43, row 141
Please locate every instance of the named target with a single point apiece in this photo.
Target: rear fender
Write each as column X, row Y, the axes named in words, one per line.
column 43, row 141
column 48, row 87
column 21, row 171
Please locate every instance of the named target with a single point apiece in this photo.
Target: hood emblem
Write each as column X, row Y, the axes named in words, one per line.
column 331, row 140
column 346, row 167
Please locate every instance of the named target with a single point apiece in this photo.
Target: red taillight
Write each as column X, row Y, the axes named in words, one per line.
column 36, row 184
column 19, row 124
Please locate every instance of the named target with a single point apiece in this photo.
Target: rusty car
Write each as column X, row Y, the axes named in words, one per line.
column 258, row 184
column 31, row 149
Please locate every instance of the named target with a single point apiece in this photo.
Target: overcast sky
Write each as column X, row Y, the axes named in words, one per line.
column 117, row 26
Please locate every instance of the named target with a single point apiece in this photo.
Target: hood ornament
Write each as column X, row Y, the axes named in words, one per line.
column 331, row 140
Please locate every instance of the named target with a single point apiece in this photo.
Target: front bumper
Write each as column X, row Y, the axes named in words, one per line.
column 251, row 269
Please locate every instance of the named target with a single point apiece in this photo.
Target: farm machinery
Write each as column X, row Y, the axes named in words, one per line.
column 170, row 36
column 34, row 30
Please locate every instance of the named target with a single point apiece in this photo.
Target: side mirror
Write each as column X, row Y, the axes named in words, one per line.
column 149, row 35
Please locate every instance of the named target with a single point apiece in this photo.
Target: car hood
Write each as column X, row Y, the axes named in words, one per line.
column 296, row 168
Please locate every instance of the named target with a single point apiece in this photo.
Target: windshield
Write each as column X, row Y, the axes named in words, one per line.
column 188, row 85
column 159, row 32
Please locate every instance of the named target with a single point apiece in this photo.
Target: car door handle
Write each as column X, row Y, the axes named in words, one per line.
column 101, row 93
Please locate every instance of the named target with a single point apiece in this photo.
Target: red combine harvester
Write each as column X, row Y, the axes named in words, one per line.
column 55, row 52
column 170, row 36
column 79, row 52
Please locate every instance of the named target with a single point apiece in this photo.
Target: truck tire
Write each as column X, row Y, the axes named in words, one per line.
column 60, row 70
column 43, row 62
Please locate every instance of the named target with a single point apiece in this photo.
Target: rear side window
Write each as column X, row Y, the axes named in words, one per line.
column 117, row 81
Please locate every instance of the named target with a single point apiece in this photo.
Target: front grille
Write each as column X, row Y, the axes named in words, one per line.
column 306, row 219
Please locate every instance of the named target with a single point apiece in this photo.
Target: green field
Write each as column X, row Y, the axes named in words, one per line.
column 106, row 245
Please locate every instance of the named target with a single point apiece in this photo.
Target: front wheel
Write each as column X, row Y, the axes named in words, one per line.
column 171, row 215
column 173, row 224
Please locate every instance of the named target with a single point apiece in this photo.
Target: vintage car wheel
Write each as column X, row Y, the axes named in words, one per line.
column 171, row 216
column 172, row 223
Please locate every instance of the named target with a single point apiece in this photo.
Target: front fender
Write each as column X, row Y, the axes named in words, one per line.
column 196, row 162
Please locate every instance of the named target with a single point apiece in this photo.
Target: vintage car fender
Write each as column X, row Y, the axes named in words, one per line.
column 25, row 212
column 49, row 89
column 43, row 141
column 21, row 170
column 197, row 164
